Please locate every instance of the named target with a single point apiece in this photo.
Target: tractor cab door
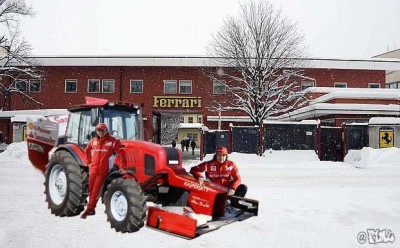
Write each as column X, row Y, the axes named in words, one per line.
column 42, row 136
column 80, row 130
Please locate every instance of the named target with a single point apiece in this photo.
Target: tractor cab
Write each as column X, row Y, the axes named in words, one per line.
column 123, row 120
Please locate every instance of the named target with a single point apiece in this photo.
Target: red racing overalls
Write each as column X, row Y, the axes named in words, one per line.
column 225, row 174
column 98, row 154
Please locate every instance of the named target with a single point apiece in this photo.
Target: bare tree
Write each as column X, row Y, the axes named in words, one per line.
column 16, row 67
column 169, row 127
column 260, row 56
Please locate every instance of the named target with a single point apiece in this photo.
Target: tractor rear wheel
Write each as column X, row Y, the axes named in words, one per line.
column 125, row 205
column 65, row 185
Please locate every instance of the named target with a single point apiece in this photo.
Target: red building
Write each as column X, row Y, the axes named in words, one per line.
column 176, row 85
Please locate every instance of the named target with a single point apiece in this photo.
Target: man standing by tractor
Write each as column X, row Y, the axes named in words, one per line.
column 100, row 154
column 221, row 171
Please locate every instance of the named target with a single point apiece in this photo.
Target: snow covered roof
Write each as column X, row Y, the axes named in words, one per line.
column 328, row 63
column 322, row 109
column 193, row 125
column 306, row 122
column 357, row 124
column 24, row 118
column 190, row 125
column 269, row 121
column 354, row 93
column 384, row 120
column 22, row 115
column 355, row 90
column 229, row 118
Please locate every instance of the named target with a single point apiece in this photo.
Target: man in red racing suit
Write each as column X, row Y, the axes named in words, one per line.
column 221, row 171
column 100, row 157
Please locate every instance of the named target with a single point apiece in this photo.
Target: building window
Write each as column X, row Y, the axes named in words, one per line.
column 108, row 85
column 190, row 119
column 219, row 87
column 136, row 86
column 20, row 85
column 34, row 85
column 199, row 119
column 170, row 86
column 374, row 85
column 307, row 84
column 181, row 119
column 340, row 85
column 94, row 86
column 185, row 86
column 393, row 85
column 71, row 85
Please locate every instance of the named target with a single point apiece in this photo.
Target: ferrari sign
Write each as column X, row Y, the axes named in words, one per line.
column 386, row 137
column 176, row 102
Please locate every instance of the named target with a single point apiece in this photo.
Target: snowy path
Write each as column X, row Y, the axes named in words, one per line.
column 309, row 204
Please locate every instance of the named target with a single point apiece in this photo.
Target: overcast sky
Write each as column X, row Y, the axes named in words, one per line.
column 333, row 28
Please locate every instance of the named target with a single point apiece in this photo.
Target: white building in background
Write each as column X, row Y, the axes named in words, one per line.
column 392, row 77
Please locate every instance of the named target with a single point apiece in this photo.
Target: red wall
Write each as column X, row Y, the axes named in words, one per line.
column 353, row 78
column 53, row 94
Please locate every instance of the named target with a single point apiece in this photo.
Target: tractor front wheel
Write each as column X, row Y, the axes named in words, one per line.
column 125, row 205
column 65, row 185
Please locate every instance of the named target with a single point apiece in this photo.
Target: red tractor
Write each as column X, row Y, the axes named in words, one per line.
column 156, row 186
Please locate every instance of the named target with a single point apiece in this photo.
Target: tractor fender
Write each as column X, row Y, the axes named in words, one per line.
column 75, row 151
column 114, row 175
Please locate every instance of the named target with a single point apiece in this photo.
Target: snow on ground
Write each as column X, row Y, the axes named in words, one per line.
column 303, row 203
column 3, row 147
column 369, row 157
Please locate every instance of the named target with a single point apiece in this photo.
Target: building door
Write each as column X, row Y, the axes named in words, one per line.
column 331, row 144
column 356, row 136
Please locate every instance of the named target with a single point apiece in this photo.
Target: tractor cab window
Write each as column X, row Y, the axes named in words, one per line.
column 87, row 130
column 72, row 133
column 115, row 126
column 80, row 130
column 122, row 124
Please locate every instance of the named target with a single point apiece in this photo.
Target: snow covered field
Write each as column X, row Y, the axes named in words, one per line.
column 303, row 203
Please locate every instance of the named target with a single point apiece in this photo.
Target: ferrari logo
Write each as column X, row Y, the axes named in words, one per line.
column 213, row 168
column 386, row 137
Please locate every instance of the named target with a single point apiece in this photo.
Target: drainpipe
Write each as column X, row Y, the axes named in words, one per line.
column 121, row 72
column 7, row 138
column 344, row 139
column 202, row 143
column 319, row 150
column 219, row 120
